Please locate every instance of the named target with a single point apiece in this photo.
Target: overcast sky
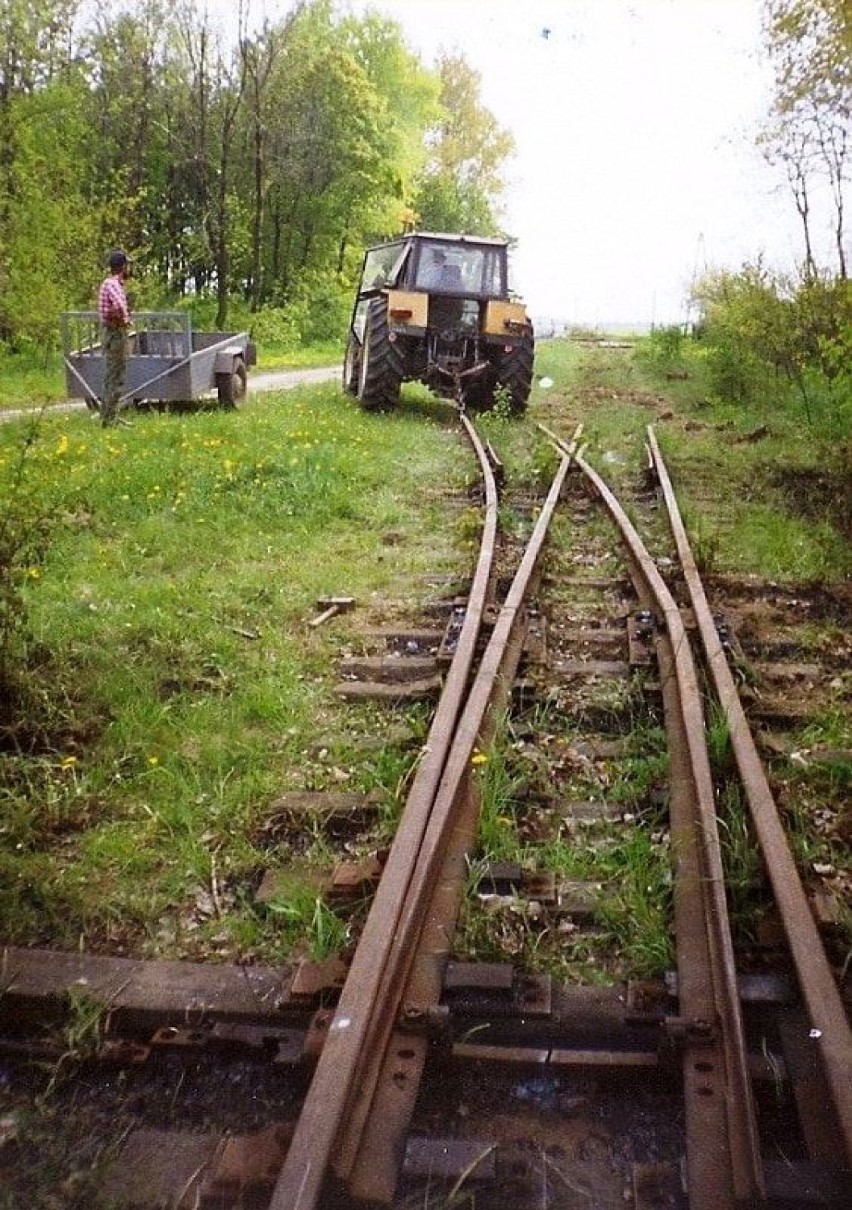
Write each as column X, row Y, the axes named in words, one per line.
column 634, row 125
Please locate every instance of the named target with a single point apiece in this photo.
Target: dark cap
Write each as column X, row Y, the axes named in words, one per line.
column 117, row 259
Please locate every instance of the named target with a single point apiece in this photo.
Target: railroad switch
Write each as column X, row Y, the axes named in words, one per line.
column 317, row 1033
column 239, row 1039
column 496, row 465
column 646, row 1002
column 474, row 988
column 642, row 628
column 314, row 982
column 535, row 639
column 452, row 632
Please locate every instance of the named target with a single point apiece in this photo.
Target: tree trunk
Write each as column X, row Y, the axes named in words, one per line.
column 257, row 218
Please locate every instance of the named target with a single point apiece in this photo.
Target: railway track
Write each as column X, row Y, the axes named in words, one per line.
column 727, row 1085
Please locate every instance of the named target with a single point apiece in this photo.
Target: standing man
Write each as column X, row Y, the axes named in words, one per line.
column 115, row 320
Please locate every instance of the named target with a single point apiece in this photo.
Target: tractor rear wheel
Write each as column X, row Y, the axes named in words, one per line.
column 515, row 374
column 380, row 371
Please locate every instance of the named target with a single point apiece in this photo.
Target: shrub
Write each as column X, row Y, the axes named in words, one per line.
column 277, row 327
column 662, row 347
column 324, row 302
column 762, row 331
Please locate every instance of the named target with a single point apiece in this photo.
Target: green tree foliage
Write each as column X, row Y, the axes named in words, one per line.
column 40, row 183
column 461, row 184
column 227, row 162
column 52, row 230
column 330, row 167
column 810, row 42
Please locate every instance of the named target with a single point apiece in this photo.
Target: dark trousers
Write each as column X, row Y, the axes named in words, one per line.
column 114, row 345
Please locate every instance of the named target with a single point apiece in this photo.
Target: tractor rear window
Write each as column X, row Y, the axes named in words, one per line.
column 460, row 269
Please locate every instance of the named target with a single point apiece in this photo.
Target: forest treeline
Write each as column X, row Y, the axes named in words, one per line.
column 247, row 165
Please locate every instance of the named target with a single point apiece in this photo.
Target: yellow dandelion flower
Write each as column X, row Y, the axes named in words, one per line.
column 478, row 758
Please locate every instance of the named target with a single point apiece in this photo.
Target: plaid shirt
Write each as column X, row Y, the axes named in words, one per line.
column 112, row 303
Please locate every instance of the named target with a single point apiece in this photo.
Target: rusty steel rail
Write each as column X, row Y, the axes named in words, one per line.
column 724, row 1165
column 372, row 1143
column 352, row 1030
column 338, row 1121
column 830, row 1031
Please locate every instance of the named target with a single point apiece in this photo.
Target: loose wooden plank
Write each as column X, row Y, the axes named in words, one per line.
column 41, row 981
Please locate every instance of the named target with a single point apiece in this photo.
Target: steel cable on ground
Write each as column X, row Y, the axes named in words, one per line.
column 831, row 1033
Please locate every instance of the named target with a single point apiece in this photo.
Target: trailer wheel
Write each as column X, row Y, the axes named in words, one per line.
column 380, row 371
column 232, row 388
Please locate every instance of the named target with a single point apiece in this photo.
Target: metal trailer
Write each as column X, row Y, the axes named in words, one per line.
column 166, row 360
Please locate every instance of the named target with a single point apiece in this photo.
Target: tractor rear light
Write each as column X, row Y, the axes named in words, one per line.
column 401, row 312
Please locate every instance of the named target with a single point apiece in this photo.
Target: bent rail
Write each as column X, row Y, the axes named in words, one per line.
column 830, row 1029
column 353, row 1027
column 723, row 1151
column 343, row 1106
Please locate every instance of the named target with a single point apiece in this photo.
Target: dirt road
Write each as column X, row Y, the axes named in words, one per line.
column 277, row 380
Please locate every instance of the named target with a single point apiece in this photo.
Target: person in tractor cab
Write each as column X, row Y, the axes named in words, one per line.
column 114, row 315
column 438, row 274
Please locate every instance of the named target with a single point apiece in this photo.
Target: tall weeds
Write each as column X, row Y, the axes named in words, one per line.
column 25, row 530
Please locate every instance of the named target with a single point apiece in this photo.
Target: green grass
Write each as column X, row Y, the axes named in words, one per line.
column 183, row 690
column 271, row 357
column 628, row 864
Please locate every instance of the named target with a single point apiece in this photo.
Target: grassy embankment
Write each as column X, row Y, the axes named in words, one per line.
column 162, row 579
